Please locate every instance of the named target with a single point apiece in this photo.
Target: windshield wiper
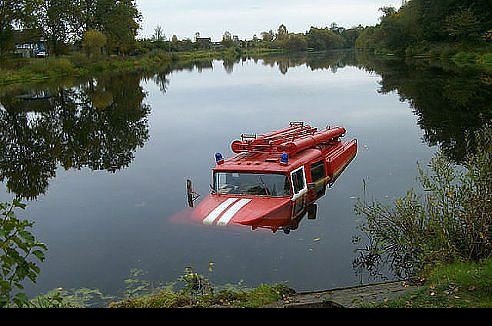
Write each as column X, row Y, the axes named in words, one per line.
column 264, row 186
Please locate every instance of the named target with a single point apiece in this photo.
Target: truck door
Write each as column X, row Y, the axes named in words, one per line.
column 299, row 188
column 317, row 187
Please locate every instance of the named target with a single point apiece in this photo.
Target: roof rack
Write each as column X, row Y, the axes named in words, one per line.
column 296, row 137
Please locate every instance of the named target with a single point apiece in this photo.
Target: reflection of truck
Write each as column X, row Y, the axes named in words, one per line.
column 275, row 178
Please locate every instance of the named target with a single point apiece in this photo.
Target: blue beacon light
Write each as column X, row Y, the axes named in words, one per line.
column 284, row 159
column 219, row 159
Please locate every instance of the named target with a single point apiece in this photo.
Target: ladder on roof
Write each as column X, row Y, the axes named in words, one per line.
column 272, row 141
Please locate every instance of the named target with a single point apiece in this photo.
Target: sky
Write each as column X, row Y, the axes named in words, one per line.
column 211, row 18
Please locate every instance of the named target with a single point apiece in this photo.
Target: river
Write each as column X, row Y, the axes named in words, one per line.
column 102, row 163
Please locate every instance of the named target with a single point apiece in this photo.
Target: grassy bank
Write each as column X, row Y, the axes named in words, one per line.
column 252, row 298
column 457, row 285
column 78, row 65
column 461, row 56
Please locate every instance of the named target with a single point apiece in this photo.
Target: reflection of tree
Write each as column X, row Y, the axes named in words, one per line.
column 26, row 152
column 324, row 60
column 229, row 66
column 99, row 124
column 161, row 78
column 450, row 104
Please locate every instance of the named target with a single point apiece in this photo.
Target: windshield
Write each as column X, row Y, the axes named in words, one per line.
column 275, row 185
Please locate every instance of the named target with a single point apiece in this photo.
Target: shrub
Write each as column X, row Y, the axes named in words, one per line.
column 18, row 248
column 465, row 57
column 451, row 221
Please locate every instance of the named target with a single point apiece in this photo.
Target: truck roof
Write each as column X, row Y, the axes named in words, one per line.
column 267, row 162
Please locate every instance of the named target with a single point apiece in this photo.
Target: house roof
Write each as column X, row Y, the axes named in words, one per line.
column 28, row 36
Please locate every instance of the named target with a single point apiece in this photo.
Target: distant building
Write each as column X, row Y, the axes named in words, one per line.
column 30, row 43
column 204, row 42
column 217, row 45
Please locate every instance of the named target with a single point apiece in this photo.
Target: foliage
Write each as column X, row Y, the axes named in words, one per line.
column 195, row 290
column 135, row 285
column 268, row 36
column 64, row 22
column 227, row 40
column 71, row 298
column 19, row 251
column 12, row 14
column 450, row 222
column 195, row 284
column 421, row 22
column 324, row 39
column 457, row 285
column 93, row 42
column 463, row 25
column 282, row 33
column 295, row 42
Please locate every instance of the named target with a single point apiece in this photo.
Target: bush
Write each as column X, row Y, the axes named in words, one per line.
column 51, row 66
column 486, row 59
column 451, row 221
column 465, row 57
column 19, row 251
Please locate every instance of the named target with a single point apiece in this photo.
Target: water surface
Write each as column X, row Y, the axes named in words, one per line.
column 103, row 163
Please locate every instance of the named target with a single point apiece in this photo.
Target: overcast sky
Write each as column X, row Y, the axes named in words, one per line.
column 247, row 17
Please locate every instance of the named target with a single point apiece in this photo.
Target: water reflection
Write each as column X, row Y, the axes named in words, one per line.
column 451, row 104
column 98, row 124
column 101, row 122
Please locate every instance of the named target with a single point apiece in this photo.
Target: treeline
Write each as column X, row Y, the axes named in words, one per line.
column 325, row 38
column 420, row 26
column 66, row 25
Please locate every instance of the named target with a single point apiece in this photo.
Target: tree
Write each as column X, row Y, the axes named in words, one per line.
column 159, row 35
column 11, row 12
column 296, row 42
column 324, row 39
column 58, row 19
column 227, row 40
column 387, row 11
column 463, row 25
column 119, row 21
column 282, row 33
column 94, row 41
column 267, row 36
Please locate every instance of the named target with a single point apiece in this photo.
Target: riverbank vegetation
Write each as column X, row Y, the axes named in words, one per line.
column 450, row 222
column 51, row 39
column 460, row 31
column 190, row 290
column 19, row 253
column 456, row 285
column 82, row 38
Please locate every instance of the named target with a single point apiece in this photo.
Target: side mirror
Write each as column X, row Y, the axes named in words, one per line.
column 212, row 190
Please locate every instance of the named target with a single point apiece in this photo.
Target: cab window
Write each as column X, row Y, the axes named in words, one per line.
column 298, row 180
column 318, row 171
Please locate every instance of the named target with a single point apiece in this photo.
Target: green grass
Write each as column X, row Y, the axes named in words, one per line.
column 75, row 65
column 458, row 285
column 166, row 298
column 14, row 71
